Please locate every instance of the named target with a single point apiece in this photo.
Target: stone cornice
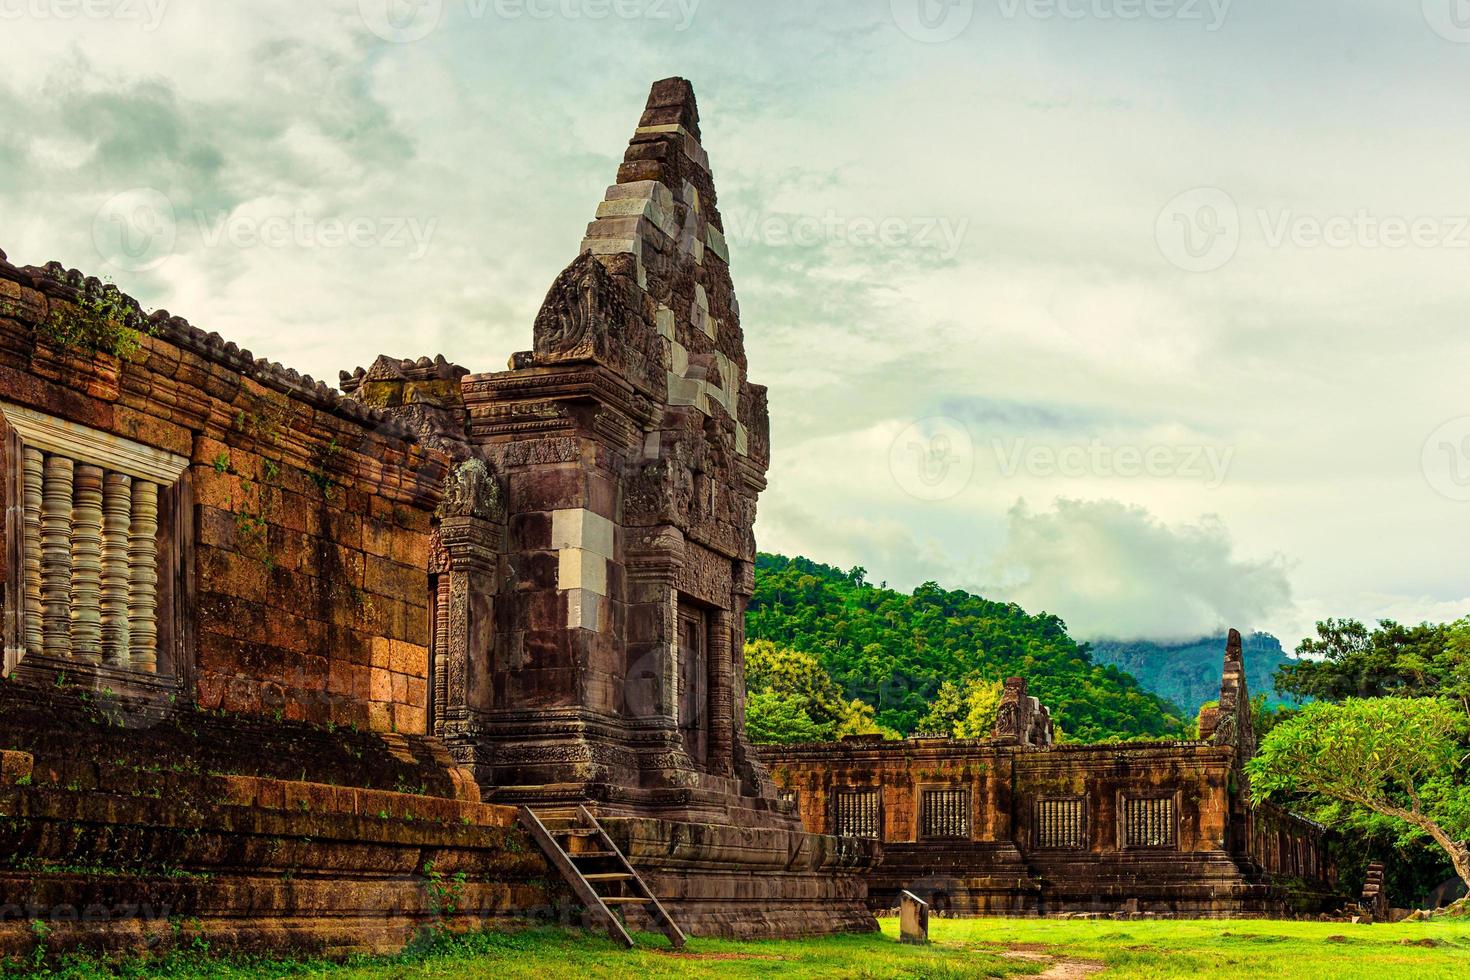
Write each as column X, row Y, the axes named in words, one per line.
column 87, row 445
column 56, row 281
column 563, row 383
column 962, row 750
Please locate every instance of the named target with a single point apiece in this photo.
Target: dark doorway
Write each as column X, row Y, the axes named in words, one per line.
column 694, row 682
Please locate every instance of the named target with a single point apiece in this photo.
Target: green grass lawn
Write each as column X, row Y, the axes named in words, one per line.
column 960, row 948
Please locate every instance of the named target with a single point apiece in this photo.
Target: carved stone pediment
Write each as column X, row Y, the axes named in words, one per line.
column 589, row 314
column 470, row 490
column 577, row 311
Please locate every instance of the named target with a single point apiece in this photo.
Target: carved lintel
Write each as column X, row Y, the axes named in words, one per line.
column 62, row 437
column 469, row 543
column 655, row 554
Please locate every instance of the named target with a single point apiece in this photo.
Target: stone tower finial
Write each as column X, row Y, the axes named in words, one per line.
column 671, row 103
column 1230, row 721
column 1234, row 648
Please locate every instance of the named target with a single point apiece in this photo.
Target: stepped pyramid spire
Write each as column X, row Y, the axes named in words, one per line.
column 650, row 295
column 633, row 447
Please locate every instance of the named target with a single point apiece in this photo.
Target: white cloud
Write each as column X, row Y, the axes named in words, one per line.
column 1116, row 572
column 1053, row 143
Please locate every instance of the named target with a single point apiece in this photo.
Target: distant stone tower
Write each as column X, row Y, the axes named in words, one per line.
column 592, row 633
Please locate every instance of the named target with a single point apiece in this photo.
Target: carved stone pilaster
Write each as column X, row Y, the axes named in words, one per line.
column 143, row 577
column 456, row 658
column 86, row 565
column 467, row 549
column 34, row 481
column 56, row 556
column 654, row 558
column 721, row 693
column 439, row 575
column 117, row 509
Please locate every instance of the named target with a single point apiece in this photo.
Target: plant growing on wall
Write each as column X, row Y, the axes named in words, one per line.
column 99, row 321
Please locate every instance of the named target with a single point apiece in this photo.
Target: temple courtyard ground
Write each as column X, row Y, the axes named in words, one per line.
column 1056, row 949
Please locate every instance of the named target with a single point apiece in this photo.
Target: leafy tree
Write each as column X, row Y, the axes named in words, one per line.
column 772, row 718
column 1399, row 758
column 1264, row 717
column 964, row 710
column 896, row 651
column 1391, row 661
column 1349, row 660
column 792, row 699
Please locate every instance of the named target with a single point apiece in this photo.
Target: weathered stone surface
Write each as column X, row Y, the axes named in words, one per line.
column 913, row 918
column 528, row 585
column 259, row 834
column 1016, row 825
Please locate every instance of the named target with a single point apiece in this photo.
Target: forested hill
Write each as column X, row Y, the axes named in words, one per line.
column 893, row 651
column 1188, row 674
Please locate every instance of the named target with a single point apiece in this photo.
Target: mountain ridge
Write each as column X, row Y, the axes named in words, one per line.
column 894, row 650
column 1188, row 673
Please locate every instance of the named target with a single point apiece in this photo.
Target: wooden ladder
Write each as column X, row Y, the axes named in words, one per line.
column 587, row 858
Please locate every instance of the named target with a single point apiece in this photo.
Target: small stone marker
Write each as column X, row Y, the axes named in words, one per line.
column 913, row 919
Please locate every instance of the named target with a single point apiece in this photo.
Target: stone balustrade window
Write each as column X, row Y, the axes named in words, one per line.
column 83, row 518
column 855, row 813
column 1149, row 822
column 787, row 796
column 944, row 813
column 1061, row 822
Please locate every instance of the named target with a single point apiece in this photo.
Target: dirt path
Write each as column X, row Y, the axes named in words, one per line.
column 1072, row 970
column 1060, row 969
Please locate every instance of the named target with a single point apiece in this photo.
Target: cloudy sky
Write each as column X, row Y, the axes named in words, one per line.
column 1150, row 313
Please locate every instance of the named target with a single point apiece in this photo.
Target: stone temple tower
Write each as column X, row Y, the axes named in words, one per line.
column 589, row 620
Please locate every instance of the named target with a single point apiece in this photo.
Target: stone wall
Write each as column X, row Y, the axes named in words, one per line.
column 268, row 647
column 294, row 543
column 123, row 830
column 1016, row 825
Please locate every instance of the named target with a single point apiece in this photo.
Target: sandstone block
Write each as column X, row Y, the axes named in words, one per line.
column 584, row 610
column 579, row 528
column 581, row 569
column 643, row 190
